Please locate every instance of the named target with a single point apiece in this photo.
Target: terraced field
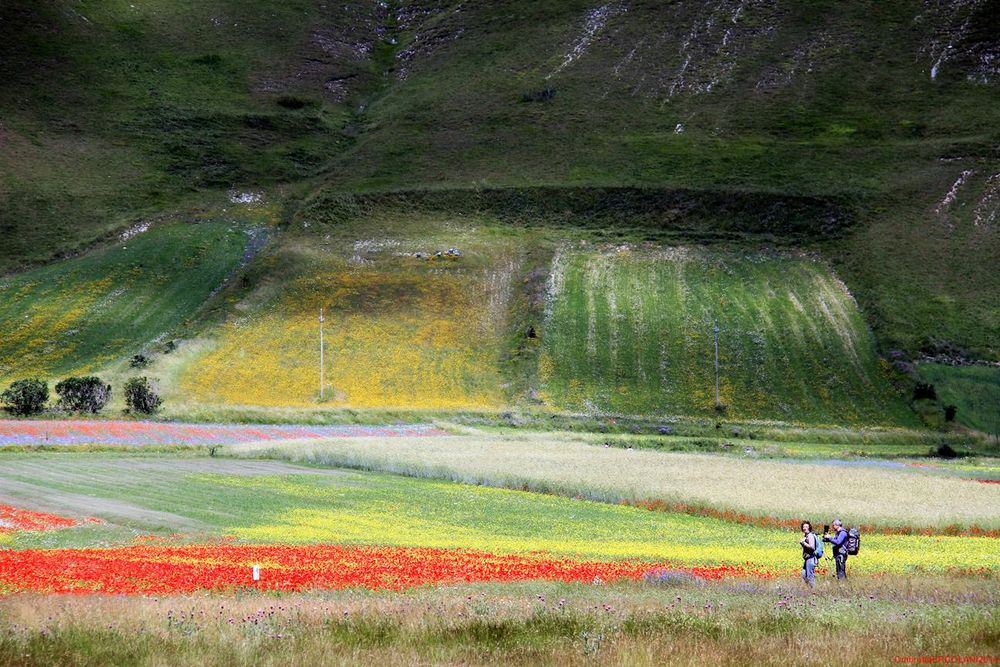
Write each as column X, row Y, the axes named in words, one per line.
column 631, row 331
column 435, row 314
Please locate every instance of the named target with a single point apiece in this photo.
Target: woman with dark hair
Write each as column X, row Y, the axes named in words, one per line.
column 809, row 559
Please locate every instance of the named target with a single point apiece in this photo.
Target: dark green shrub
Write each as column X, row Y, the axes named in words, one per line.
column 293, row 102
column 546, row 94
column 945, row 451
column 25, row 397
column 141, row 396
column 83, row 394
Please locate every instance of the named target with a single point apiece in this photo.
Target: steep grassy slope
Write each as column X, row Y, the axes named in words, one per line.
column 633, row 331
column 84, row 313
column 818, row 98
column 115, row 110
column 923, row 265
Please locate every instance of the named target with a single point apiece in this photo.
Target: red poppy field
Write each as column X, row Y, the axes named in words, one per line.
column 13, row 518
column 164, row 570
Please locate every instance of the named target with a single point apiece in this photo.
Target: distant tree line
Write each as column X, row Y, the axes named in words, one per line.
column 87, row 394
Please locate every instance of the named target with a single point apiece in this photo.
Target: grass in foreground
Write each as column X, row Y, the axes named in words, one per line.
column 728, row 623
column 267, row 502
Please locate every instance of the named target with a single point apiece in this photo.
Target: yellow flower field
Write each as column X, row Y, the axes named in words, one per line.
column 415, row 334
column 418, row 513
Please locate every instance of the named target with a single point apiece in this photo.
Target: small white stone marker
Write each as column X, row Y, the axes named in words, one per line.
column 256, row 572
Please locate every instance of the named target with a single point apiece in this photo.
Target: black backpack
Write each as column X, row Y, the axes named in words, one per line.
column 853, row 542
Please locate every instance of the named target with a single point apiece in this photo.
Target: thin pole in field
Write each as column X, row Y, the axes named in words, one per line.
column 718, row 403
column 321, row 383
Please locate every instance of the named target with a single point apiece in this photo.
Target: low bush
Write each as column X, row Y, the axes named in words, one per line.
column 25, row 397
column 945, row 451
column 83, row 394
column 546, row 94
column 142, row 396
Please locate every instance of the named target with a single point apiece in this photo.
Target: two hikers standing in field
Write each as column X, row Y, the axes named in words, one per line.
column 843, row 544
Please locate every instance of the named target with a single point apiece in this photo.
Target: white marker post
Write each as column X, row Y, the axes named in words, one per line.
column 256, row 572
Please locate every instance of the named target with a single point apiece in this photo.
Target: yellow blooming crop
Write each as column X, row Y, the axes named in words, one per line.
column 386, row 510
column 42, row 335
column 400, row 339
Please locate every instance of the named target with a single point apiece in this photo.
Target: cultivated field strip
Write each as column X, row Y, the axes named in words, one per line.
column 303, row 507
column 84, row 313
column 139, row 433
column 630, row 331
column 786, row 489
column 406, row 326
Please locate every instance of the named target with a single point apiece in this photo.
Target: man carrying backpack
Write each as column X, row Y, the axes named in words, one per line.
column 839, row 543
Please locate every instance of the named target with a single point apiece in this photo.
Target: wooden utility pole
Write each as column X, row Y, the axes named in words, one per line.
column 321, row 383
column 718, row 403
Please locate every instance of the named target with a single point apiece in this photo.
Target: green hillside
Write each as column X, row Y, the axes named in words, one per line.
column 863, row 133
column 116, row 110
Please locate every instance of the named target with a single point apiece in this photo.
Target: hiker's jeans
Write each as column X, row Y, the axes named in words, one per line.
column 841, row 560
column 809, row 571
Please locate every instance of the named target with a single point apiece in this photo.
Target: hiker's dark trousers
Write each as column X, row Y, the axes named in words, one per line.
column 841, row 560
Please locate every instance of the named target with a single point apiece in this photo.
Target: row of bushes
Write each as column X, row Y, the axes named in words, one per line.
column 79, row 394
